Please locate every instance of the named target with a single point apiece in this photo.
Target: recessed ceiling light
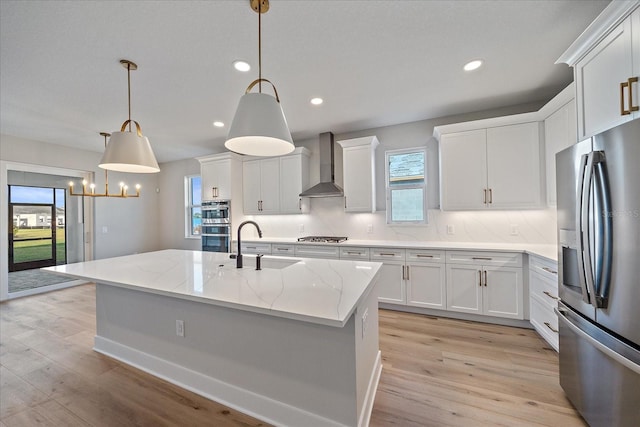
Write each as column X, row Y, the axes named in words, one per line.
column 473, row 65
column 241, row 66
column 317, row 101
column 218, row 124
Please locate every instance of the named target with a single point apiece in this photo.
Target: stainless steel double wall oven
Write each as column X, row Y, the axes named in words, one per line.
column 216, row 226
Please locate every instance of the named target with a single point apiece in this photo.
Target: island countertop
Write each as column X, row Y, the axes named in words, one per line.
column 312, row 290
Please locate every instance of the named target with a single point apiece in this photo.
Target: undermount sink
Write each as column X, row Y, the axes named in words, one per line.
column 271, row 263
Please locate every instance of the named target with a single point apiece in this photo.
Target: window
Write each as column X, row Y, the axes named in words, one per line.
column 193, row 193
column 406, row 186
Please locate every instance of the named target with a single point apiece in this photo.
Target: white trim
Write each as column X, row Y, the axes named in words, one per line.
column 6, row 166
column 49, row 288
column 612, row 15
column 245, row 401
column 370, row 395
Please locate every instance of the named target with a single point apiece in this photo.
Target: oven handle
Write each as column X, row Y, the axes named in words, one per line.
column 215, row 235
column 560, row 311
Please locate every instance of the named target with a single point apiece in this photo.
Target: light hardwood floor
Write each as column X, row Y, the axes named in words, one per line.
column 437, row 372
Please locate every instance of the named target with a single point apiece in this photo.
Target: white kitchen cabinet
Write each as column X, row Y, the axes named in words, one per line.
column 294, row 178
column 543, row 297
column 354, row 253
column 606, row 69
column 261, row 186
column 560, row 132
column 317, row 251
column 216, row 174
column 391, row 280
column 412, row 277
column 256, row 248
column 273, row 185
column 358, row 163
column 495, row 168
column 279, row 249
column 487, row 283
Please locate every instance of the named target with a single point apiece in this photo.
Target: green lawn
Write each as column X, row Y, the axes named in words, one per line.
column 33, row 250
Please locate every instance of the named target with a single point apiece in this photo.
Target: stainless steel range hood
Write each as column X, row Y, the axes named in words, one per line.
column 327, row 186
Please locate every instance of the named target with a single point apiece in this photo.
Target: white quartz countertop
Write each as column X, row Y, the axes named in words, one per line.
column 546, row 251
column 311, row 290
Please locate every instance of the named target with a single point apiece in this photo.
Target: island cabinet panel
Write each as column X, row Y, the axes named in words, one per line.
column 487, row 283
column 607, row 89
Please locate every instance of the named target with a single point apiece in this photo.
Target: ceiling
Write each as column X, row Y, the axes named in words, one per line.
column 375, row 63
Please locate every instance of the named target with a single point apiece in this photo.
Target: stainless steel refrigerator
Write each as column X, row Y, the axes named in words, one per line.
column 598, row 183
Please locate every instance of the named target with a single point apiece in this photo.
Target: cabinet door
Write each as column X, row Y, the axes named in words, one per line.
column 464, row 292
column 291, row 184
column 513, row 166
column 251, row 186
column 358, row 179
column 502, row 292
column 463, row 170
column 598, row 77
column 426, row 285
column 559, row 133
column 270, row 185
column 216, row 180
column 391, row 286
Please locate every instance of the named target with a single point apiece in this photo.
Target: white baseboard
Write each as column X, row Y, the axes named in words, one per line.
column 242, row 400
column 370, row 396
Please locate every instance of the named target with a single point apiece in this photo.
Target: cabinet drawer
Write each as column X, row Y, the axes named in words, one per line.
column 317, row 251
column 545, row 268
column 543, row 289
column 424, row 255
column 256, row 248
column 503, row 259
column 387, row 254
column 354, row 253
column 545, row 321
column 283, row 250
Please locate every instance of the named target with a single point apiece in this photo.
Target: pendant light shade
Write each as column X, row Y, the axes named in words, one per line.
column 128, row 151
column 259, row 127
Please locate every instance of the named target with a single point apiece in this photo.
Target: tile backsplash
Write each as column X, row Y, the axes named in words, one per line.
column 327, row 217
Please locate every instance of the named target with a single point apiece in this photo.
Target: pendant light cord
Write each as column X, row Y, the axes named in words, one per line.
column 129, row 93
column 260, row 46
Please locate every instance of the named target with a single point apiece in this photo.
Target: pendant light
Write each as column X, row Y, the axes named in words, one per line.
column 128, row 151
column 259, row 127
column 124, row 189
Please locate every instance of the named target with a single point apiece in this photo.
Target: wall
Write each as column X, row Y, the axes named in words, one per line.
column 122, row 226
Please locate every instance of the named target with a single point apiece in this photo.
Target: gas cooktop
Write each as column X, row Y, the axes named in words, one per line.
column 322, row 239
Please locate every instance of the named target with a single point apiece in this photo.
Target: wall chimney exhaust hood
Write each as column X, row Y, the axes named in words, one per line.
column 327, row 186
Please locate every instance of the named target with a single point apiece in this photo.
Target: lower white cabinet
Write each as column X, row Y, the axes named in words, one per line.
column 543, row 297
column 256, row 248
column 485, row 283
column 317, row 251
column 412, row 277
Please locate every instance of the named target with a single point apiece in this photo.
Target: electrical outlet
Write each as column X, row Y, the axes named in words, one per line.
column 369, row 228
column 451, row 229
column 513, row 230
column 180, row 328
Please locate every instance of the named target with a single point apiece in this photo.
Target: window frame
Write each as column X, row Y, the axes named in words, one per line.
column 389, row 188
column 190, row 206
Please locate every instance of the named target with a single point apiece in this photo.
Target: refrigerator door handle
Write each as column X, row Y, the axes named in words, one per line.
column 582, row 227
column 594, row 342
column 605, row 228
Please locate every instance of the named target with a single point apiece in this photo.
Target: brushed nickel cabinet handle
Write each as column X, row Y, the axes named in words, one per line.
column 386, row 254
column 251, row 247
column 624, row 112
column 214, row 192
column 550, row 296
column 404, row 276
column 300, row 204
column 345, row 202
column 481, row 258
column 484, row 198
column 548, row 270
column 353, row 253
column 485, row 278
column 408, row 272
column 424, row 256
column 479, row 278
column 548, row 325
column 490, row 195
column 632, row 107
column 282, row 249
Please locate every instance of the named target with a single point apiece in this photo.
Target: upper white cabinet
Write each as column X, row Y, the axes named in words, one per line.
column 495, row 167
column 273, row 185
column 359, row 174
column 559, row 133
column 217, row 175
column 606, row 61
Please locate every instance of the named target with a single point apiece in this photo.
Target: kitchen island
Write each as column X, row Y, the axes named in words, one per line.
column 295, row 343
